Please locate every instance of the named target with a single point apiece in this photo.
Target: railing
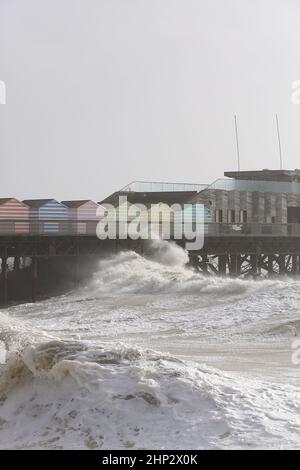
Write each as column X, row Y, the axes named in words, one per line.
column 47, row 227
column 88, row 228
column 148, row 186
column 253, row 229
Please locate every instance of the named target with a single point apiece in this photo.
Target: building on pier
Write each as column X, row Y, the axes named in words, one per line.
column 14, row 217
column 47, row 216
column 83, row 216
column 269, row 198
column 160, row 202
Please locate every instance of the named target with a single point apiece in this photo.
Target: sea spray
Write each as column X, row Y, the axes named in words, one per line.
column 152, row 354
column 166, row 253
column 71, row 395
column 163, row 269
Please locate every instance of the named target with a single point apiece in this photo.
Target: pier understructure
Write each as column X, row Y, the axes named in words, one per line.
column 29, row 264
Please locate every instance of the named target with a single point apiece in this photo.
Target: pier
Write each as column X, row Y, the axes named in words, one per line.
column 33, row 258
column 252, row 228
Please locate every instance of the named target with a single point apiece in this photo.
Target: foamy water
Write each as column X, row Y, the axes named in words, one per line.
column 151, row 354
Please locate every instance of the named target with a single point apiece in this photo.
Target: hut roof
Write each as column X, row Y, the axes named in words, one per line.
column 75, row 204
column 38, row 202
column 3, row 200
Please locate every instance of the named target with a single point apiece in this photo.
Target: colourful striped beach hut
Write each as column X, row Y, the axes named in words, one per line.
column 84, row 216
column 47, row 216
column 14, row 217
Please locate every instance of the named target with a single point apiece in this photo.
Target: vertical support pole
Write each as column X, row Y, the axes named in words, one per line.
column 230, row 265
column 281, row 263
column 235, row 265
column 204, row 262
column 76, row 274
column 77, row 264
column 270, row 265
column 295, row 264
column 254, row 263
column 34, row 278
column 279, row 141
column 237, row 142
column 16, row 263
column 238, row 264
column 194, row 261
column 222, row 264
column 4, row 278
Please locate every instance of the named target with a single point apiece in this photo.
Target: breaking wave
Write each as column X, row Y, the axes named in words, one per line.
column 164, row 270
column 108, row 390
column 65, row 394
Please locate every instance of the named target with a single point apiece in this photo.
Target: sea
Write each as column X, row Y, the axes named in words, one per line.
column 151, row 354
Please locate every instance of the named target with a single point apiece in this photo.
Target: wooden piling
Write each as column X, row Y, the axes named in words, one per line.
column 295, row 264
column 281, row 264
column 222, row 259
column 16, row 263
column 270, row 265
column 4, row 279
column 254, row 263
column 34, row 274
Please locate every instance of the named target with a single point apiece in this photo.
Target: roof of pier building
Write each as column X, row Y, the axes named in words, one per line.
column 155, row 193
column 272, row 181
column 291, row 176
column 150, row 198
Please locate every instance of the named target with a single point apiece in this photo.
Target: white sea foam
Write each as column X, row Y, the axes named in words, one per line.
column 166, row 272
column 72, row 395
column 120, row 362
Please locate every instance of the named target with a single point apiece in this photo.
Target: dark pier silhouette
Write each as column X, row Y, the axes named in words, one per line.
column 34, row 267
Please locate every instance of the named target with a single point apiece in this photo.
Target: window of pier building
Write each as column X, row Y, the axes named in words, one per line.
column 219, row 216
column 231, row 216
column 243, row 217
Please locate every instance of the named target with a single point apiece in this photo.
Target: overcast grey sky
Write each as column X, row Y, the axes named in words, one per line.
column 103, row 92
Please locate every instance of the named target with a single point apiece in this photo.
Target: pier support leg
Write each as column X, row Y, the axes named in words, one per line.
column 270, row 265
column 295, row 264
column 34, row 279
column 235, row 265
column 16, row 263
column 222, row 264
column 76, row 270
column 254, row 264
column 204, row 263
column 4, row 279
column 194, row 261
column 281, row 264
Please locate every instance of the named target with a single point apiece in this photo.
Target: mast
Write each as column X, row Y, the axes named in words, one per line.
column 237, row 142
column 279, row 141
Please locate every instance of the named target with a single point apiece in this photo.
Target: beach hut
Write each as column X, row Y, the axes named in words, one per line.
column 47, row 216
column 84, row 216
column 14, row 217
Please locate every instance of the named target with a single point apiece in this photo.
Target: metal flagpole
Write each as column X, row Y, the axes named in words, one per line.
column 279, row 141
column 237, row 142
